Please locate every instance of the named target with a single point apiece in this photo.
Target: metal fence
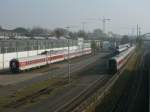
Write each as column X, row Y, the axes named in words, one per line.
column 7, row 46
column 23, row 48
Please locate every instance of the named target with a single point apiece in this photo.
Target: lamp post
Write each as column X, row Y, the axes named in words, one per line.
column 68, row 41
column 83, row 25
column 3, row 54
column 68, row 55
column 104, row 20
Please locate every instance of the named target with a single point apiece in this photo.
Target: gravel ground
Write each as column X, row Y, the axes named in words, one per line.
column 8, row 78
column 62, row 96
column 11, row 83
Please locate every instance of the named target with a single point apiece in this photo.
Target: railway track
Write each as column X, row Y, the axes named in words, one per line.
column 131, row 94
column 61, row 71
column 126, row 85
column 21, row 102
column 140, row 92
column 83, row 100
column 136, row 99
column 81, row 89
column 77, row 105
column 73, row 100
column 69, row 106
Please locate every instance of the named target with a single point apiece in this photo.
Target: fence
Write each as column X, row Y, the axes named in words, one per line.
column 7, row 46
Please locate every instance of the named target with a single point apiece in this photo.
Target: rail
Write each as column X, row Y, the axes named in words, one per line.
column 90, row 100
column 78, row 99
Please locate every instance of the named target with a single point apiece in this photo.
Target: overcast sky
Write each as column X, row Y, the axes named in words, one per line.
column 124, row 14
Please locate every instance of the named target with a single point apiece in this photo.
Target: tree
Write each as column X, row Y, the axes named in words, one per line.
column 58, row 32
column 124, row 39
column 82, row 34
column 1, row 27
column 21, row 30
column 73, row 35
column 39, row 31
column 98, row 34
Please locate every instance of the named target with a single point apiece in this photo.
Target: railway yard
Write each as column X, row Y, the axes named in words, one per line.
column 130, row 93
column 88, row 86
column 74, row 56
column 25, row 86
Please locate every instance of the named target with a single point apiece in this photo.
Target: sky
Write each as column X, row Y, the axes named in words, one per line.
column 124, row 14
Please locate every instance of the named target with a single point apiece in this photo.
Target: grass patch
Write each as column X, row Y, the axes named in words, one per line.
column 25, row 95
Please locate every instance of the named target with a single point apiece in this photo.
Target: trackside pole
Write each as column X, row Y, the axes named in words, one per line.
column 3, row 52
column 68, row 61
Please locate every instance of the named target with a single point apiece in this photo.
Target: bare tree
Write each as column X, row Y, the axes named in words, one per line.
column 82, row 34
column 125, row 39
column 1, row 27
column 58, row 32
column 39, row 31
column 21, row 30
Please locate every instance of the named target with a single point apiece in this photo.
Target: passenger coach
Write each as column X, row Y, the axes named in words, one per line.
column 117, row 62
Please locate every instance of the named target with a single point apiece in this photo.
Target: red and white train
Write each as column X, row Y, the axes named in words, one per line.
column 21, row 64
column 117, row 62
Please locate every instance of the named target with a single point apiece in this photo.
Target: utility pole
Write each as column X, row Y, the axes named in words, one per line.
column 68, row 60
column 83, row 25
column 138, row 36
column 137, row 30
column 3, row 47
column 68, row 55
column 104, row 20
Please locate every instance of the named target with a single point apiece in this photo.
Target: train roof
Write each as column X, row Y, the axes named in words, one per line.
column 122, row 55
column 53, row 52
column 123, row 45
column 30, row 57
column 42, row 55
